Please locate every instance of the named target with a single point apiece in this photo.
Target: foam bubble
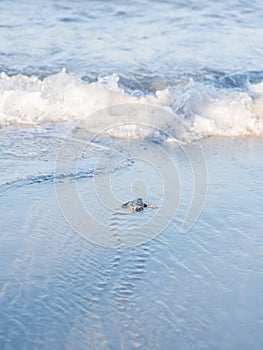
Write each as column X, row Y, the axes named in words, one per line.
column 196, row 110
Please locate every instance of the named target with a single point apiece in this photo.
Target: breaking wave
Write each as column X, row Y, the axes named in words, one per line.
column 196, row 109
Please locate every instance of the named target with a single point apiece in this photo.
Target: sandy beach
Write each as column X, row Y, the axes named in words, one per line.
column 203, row 287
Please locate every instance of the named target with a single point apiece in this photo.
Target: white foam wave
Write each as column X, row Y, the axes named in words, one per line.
column 195, row 110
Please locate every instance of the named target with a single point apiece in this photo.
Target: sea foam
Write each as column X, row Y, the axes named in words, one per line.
column 188, row 110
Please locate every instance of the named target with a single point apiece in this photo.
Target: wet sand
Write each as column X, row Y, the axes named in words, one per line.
column 198, row 290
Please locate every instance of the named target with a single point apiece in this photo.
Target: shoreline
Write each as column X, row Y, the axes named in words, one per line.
column 203, row 286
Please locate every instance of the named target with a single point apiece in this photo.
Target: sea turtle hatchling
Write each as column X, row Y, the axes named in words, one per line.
column 137, row 205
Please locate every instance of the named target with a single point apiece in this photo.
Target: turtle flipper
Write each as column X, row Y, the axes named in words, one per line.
column 125, row 205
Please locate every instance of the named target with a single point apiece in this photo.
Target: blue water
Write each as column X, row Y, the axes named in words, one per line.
column 137, row 40
column 63, row 65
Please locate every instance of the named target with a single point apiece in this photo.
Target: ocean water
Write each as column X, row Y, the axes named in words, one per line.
column 62, row 61
column 105, row 101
